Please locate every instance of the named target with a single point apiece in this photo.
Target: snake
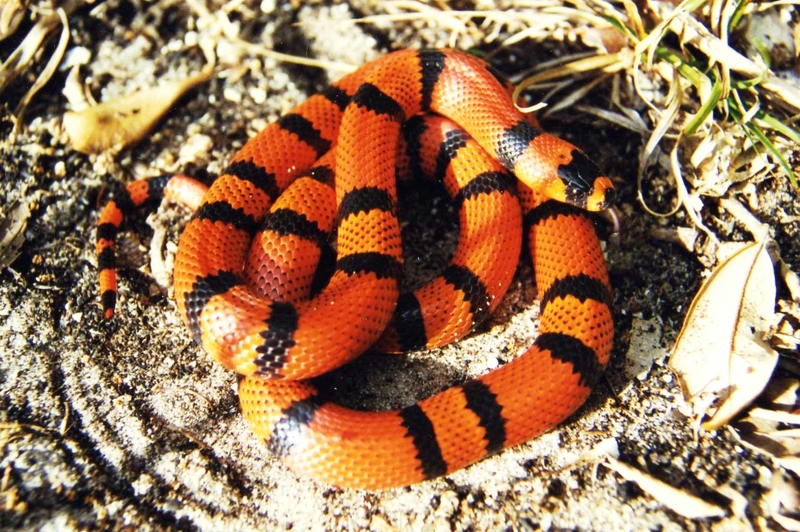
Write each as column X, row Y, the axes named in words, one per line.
column 263, row 288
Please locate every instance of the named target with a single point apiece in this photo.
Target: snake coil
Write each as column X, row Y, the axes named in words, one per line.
column 249, row 284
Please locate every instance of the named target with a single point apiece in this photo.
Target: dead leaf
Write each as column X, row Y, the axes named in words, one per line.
column 721, row 357
column 12, row 12
column 771, row 428
column 786, row 332
column 784, row 500
column 12, row 233
column 123, row 121
column 31, row 49
column 680, row 502
column 48, row 71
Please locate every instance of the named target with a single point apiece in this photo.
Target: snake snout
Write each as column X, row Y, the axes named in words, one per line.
column 584, row 185
column 603, row 195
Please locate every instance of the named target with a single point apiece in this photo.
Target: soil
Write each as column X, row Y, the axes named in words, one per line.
column 125, row 424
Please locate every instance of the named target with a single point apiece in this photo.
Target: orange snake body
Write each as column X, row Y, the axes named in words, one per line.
column 249, row 288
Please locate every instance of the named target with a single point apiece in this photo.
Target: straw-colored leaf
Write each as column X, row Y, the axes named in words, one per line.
column 680, row 502
column 123, row 121
column 784, row 501
column 12, row 12
column 773, row 429
column 24, row 56
column 720, row 356
column 50, row 69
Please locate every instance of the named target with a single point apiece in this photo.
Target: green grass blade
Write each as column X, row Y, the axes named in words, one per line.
column 775, row 124
column 706, row 109
column 625, row 30
column 738, row 13
column 770, row 147
column 695, row 76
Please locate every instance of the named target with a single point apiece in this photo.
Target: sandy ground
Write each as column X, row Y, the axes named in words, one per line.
column 126, row 425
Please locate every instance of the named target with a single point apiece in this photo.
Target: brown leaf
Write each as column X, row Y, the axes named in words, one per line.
column 720, row 357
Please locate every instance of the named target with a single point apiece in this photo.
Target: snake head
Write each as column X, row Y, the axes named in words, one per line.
column 581, row 183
